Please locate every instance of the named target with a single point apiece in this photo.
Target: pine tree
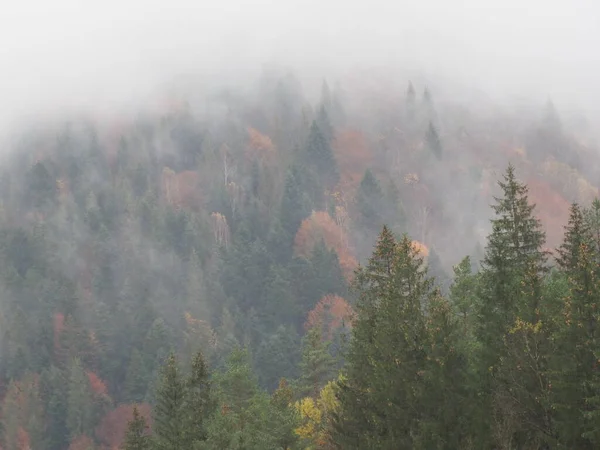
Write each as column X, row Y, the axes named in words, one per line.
column 514, row 246
column 463, row 293
column 576, row 375
column 137, row 437
column 168, row 413
column 198, row 403
column 316, row 367
column 382, row 389
column 319, row 156
column 512, row 327
column 432, row 139
column 369, row 203
column 295, row 204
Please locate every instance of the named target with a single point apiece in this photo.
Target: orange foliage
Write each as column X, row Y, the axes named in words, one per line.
column 319, row 226
column 82, row 442
column 113, row 426
column 181, row 189
column 332, row 311
column 260, row 146
column 96, row 384
column 353, row 156
column 420, row 248
column 551, row 208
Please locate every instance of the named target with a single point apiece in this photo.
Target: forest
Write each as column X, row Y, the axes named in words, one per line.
column 372, row 269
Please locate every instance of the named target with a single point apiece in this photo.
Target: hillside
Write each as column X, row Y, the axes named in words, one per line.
column 238, row 222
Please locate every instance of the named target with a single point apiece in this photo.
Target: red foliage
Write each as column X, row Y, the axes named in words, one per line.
column 319, row 226
column 551, row 208
column 96, row 384
column 82, row 442
column 353, row 156
column 113, row 426
column 332, row 312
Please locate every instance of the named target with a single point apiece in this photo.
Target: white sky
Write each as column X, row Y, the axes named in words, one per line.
column 76, row 52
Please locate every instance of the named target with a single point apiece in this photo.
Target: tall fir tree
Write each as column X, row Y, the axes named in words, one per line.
column 575, row 363
column 168, row 414
column 512, row 319
column 381, row 392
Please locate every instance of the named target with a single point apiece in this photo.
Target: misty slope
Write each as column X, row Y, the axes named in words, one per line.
column 237, row 223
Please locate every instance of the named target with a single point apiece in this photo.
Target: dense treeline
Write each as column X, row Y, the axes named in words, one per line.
column 508, row 360
column 127, row 248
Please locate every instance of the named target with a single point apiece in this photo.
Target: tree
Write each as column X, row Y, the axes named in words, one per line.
column 319, row 156
column 512, row 328
column 380, row 394
column 324, row 124
column 198, row 403
column 80, row 401
column 369, row 203
column 168, row 414
column 295, row 203
column 316, row 367
column 137, row 437
column 432, row 139
column 575, row 364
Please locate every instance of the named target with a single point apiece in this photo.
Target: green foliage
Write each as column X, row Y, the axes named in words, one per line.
column 137, row 437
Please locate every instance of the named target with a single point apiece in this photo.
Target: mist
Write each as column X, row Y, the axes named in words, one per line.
column 67, row 55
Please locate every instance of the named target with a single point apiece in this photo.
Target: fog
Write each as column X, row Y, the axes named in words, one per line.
column 68, row 53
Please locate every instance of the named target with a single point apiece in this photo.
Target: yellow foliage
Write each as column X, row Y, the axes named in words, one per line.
column 315, row 414
column 310, row 415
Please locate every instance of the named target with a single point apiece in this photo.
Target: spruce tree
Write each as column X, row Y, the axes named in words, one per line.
column 575, row 369
column 369, row 203
column 198, row 403
column 136, row 437
column 432, row 139
column 319, row 156
column 514, row 375
column 316, row 367
column 382, row 388
column 168, row 414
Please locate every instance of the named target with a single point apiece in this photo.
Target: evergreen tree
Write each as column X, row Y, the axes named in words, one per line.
column 512, row 319
column 463, row 293
column 198, row 403
column 382, row 389
column 324, row 124
column 168, row 414
column 433, row 142
column 136, row 380
column 316, row 367
column 369, row 202
column 295, row 204
column 80, row 402
column 319, row 156
column 576, row 376
column 137, row 437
